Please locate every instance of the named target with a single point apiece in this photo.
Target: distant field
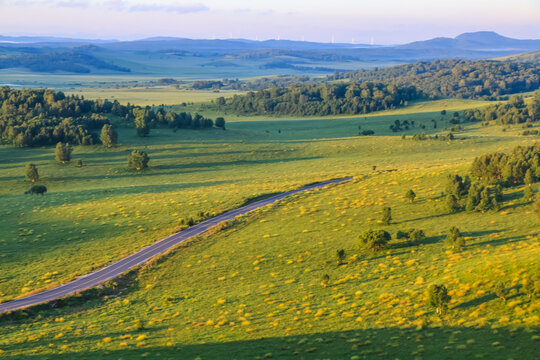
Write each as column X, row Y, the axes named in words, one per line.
column 429, row 109
column 155, row 95
column 255, row 290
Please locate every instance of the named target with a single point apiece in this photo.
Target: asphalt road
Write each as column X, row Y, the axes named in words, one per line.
column 142, row 256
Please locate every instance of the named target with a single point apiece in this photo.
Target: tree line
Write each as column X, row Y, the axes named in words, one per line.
column 515, row 111
column 480, row 79
column 320, row 100
column 40, row 117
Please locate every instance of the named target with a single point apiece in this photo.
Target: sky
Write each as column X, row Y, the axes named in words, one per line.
column 358, row 21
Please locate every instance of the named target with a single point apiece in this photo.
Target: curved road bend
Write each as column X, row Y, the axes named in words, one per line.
column 121, row 266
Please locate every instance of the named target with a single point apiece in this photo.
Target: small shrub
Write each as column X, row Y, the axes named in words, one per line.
column 411, row 195
column 220, row 123
column 438, row 298
column 138, row 160
column 325, row 280
column 387, row 216
column 374, row 239
column 63, row 152
column 402, row 234
column 454, row 240
column 413, row 235
column 367, row 132
column 531, row 287
column 32, row 173
column 340, row 256
column 502, row 291
column 452, row 204
column 417, row 235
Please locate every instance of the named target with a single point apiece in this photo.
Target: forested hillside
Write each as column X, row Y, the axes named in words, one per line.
column 75, row 62
column 515, row 111
column 482, row 79
column 44, row 117
column 326, row 99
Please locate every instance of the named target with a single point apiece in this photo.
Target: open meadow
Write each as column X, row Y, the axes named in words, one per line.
column 267, row 285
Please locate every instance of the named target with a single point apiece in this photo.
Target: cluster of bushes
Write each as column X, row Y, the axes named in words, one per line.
column 399, row 126
column 45, row 117
column 423, row 136
column 325, row 99
column 484, row 79
column 375, row 240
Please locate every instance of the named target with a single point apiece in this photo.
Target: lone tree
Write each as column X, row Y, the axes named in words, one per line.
column 410, row 195
column 138, row 160
column 374, row 239
column 109, row 136
column 32, row 173
column 387, row 216
column 438, row 298
column 220, row 123
column 63, row 152
column 454, row 240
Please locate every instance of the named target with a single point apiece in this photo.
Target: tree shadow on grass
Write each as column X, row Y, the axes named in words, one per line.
column 500, row 241
column 422, row 218
column 385, row 343
column 427, row 241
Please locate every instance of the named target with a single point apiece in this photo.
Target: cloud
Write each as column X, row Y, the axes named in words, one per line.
column 181, row 9
column 113, row 5
column 72, row 4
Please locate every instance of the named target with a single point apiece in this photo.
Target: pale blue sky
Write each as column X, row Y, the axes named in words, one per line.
column 386, row 21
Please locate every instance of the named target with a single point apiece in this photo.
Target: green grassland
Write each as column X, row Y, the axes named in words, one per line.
column 429, row 108
column 253, row 289
column 154, row 95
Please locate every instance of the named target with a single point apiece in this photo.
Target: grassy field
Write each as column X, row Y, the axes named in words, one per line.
column 155, row 95
column 254, row 290
column 431, row 108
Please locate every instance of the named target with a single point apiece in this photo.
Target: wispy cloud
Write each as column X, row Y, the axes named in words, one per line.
column 181, row 9
column 114, row 5
column 72, row 4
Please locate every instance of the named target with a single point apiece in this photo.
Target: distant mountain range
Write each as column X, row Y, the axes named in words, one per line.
column 481, row 40
column 171, row 56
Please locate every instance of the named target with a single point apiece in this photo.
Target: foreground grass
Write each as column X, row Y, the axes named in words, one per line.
column 262, row 277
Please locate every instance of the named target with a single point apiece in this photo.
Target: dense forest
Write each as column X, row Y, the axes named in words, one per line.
column 260, row 83
column 514, row 111
column 45, row 117
column 482, row 79
column 325, row 99
column 67, row 61
column 521, row 165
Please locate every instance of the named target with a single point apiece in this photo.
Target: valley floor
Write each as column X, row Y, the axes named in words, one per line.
column 256, row 288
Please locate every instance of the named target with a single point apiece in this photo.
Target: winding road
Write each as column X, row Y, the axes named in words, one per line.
column 142, row 256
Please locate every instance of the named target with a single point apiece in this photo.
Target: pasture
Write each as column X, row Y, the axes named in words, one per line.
column 255, row 289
